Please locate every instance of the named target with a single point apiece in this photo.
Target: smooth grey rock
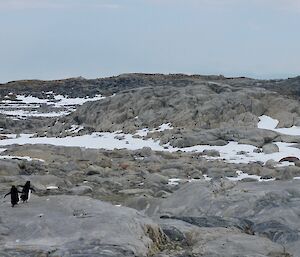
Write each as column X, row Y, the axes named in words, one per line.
column 156, row 179
column 213, row 153
column 144, row 152
column 271, row 207
column 270, row 148
column 271, row 163
column 219, row 241
column 81, row 190
column 92, row 170
column 77, row 225
column 136, row 191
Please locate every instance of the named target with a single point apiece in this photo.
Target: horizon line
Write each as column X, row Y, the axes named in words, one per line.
column 253, row 77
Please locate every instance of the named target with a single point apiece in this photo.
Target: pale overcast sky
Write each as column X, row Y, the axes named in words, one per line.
column 51, row 39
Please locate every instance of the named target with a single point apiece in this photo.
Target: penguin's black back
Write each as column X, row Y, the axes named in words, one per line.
column 14, row 195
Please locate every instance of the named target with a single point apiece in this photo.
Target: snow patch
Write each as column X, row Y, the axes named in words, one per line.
column 118, row 140
column 174, row 181
column 207, row 178
column 241, row 175
column 51, row 187
column 23, row 114
column 75, row 128
column 30, row 102
column 267, row 122
column 64, row 101
column 27, row 158
column 163, row 127
column 144, row 132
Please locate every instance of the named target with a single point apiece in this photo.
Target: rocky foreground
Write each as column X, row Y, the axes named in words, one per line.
column 146, row 202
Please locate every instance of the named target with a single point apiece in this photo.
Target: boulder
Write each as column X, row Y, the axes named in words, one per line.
column 155, row 178
column 270, row 148
column 81, row 190
column 212, row 153
column 93, row 170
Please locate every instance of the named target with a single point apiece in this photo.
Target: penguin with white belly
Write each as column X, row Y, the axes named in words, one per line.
column 26, row 191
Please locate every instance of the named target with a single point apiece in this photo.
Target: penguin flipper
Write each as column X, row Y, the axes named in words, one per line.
column 7, row 194
column 32, row 189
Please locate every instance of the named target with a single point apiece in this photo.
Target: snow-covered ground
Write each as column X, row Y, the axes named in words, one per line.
column 32, row 105
column 27, row 158
column 24, row 114
column 110, row 141
column 232, row 152
column 240, row 176
column 144, row 132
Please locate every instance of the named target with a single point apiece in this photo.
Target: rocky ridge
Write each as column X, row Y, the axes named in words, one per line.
column 97, row 202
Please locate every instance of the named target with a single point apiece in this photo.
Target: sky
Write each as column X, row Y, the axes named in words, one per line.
column 55, row 39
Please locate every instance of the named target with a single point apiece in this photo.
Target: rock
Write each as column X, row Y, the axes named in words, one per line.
column 277, row 232
column 93, row 170
column 269, row 206
column 140, row 203
column 221, row 242
column 9, row 168
column 270, row 148
column 214, row 221
column 172, row 173
column 175, row 234
column 288, row 172
column 74, row 225
column 265, row 172
column 218, row 241
column 124, row 165
column 104, row 162
column 154, row 178
column 81, row 190
column 220, row 172
column 136, row 191
column 162, row 194
column 212, row 153
column 285, row 119
column 270, row 163
column 144, row 152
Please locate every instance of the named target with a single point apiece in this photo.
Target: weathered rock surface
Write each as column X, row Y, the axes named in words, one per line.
column 270, row 148
column 218, row 241
column 192, row 106
column 70, row 225
column 203, row 218
column 262, row 209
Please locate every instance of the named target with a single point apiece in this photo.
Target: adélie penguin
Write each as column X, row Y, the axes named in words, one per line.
column 14, row 196
column 26, row 191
